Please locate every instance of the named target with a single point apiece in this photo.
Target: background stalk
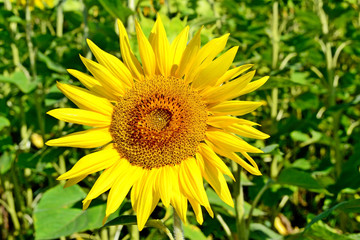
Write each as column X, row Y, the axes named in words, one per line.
column 275, row 37
column 242, row 230
column 178, row 228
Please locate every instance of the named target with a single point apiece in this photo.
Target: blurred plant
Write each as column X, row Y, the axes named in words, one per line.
column 310, row 183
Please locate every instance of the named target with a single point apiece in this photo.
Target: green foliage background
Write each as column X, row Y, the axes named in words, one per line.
column 310, row 183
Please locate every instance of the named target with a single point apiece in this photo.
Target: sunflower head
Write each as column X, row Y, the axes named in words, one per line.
column 161, row 122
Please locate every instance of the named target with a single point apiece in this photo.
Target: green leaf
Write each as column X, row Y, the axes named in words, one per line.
column 279, row 82
column 5, row 162
column 214, row 199
column 50, row 63
column 4, row 122
column 300, row 78
column 270, row 148
column 292, row 176
column 200, row 21
column 321, row 230
column 59, row 213
column 116, row 9
column 306, row 100
column 131, row 220
column 260, row 231
column 299, row 136
column 28, row 160
column 20, row 80
column 346, row 206
column 193, row 232
column 301, row 163
column 122, row 220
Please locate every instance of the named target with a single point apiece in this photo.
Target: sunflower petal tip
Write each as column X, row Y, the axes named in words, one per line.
column 104, row 220
column 82, row 58
column 60, row 177
column 140, row 224
column 266, row 136
column 86, row 202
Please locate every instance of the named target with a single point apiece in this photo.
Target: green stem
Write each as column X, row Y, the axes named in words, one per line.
column 134, row 232
column 242, row 231
column 104, row 234
column 59, row 19
column 224, row 225
column 178, row 229
column 30, row 45
column 32, row 57
column 331, row 62
column 131, row 18
column 87, row 53
column 256, row 200
column 275, row 55
column 159, row 224
column 11, row 206
column 337, row 144
column 275, row 34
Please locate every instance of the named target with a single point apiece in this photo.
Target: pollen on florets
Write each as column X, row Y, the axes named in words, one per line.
column 158, row 122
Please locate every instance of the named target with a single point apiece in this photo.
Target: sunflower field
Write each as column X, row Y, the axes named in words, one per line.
column 211, row 119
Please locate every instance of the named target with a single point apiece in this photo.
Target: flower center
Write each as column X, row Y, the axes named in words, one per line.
column 158, row 122
column 158, row 119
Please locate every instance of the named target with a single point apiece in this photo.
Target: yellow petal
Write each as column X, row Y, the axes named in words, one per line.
column 197, row 209
column 253, row 163
column 91, row 138
column 121, row 186
column 189, row 55
column 92, row 162
column 177, row 48
column 127, row 55
column 206, row 54
column 161, row 47
column 86, row 204
column 233, row 73
column 246, row 131
column 229, row 90
column 165, row 186
column 75, row 180
column 191, row 181
column 210, row 50
column 217, row 68
column 92, row 84
column 254, row 85
column 225, row 121
column 85, row 99
column 178, row 200
column 107, row 178
column 80, row 116
column 134, row 194
column 211, row 158
column 253, row 168
column 147, row 200
column 105, row 77
column 215, row 178
column 112, row 63
column 146, row 52
column 231, row 142
column 235, row 107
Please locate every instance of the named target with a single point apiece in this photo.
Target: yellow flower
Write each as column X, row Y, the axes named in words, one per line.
column 163, row 123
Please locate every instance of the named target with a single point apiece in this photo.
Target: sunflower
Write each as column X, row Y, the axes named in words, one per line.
column 160, row 125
